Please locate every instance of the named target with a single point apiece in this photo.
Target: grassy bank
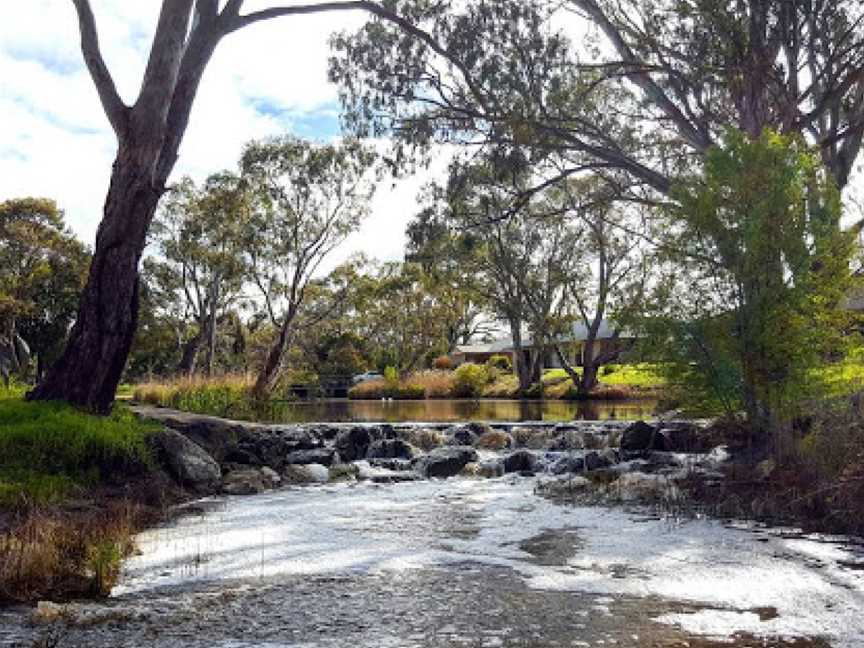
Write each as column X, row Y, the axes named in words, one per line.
column 617, row 382
column 66, row 517
column 217, row 396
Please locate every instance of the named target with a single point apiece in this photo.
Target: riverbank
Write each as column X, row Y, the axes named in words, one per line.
column 675, row 467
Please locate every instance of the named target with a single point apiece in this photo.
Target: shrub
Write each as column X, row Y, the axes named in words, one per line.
column 608, row 370
column 411, row 391
column 443, row 363
column 469, row 380
column 437, row 384
column 501, row 362
column 391, row 375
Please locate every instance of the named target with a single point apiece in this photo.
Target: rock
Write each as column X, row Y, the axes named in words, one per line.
column 245, row 482
column 425, row 438
column 490, row 469
column 271, row 476
column 640, row 436
column 470, row 470
column 568, row 464
column 610, row 456
column 353, row 444
column 445, row 462
column 49, row 612
column 463, row 436
column 567, row 441
column 594, row 461
column 641, row 486
column 306, row 474
column 532, row 438
column 563, row 487
column 242, row 457
column 390, row 449
column 323, row 456
column 592, row 441
column 343, row 472
column 395, row 464
column 684, row 437
column 520, row 461
column 494, row 440
column 186, row 461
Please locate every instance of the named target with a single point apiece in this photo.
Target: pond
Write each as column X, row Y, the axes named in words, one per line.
column 379, row 411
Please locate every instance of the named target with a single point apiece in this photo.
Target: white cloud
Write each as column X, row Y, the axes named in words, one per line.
column 56, row 142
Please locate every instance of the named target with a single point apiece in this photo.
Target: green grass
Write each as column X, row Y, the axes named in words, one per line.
column 557, row 384
column 844, row 377
column 48, row 450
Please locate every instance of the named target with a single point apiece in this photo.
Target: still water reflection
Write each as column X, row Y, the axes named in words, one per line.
column 342, row 410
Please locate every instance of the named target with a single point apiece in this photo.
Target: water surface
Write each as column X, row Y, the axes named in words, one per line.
column 378, row 411
column 468, row 563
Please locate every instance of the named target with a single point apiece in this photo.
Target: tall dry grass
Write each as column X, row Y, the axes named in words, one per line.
column 48, row 553
column 216, row 395
column 418, row 385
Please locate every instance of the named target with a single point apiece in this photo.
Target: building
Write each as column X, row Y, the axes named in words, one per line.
column 572, row 345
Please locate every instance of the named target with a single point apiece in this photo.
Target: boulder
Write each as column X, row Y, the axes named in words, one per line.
column 390, row 449
column 594, row 461
column 425, row 438
column 644, row 487
column 353, row 444
column 323, row 456
column 463, row 436
column 684, row 437
column 568, row 464
column 343, row 472
column 494, row 440
column 306, row 474
column 186, row 461
column 445, row 462
column 271, row 476
column 490, row 469
column 522, row 461
column 245, row 482
column 640, row 437
column 395, row 464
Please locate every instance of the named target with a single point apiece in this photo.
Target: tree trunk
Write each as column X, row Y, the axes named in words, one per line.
column 88, row 372
column 211, row 341
column 190, row 355
column 270, row 370
column 589, row 368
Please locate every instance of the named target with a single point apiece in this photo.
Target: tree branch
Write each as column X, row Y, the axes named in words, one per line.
column 116, row 111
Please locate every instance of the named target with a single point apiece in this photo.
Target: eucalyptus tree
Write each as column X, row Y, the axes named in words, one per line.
column 42, row 271
column 149, row 133
column 608, row 276
column 646, row 87
column 200, row 236
column 309, row 198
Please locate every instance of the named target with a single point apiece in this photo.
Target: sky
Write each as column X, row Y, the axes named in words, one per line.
column 268, row 79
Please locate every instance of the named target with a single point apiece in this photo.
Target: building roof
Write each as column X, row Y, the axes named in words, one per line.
column 579, row 334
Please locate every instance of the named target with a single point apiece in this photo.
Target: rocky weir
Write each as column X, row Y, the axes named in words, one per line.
column 212, row 455
column 416, row 536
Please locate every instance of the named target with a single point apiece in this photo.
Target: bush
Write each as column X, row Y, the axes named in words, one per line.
column 391, row 375
column 443, row 363
column 608, row 370
column 469, row 380
column 411, row 391
column 501, row 362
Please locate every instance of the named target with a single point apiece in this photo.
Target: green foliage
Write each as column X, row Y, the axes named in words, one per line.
column 768, row 266
column 42, row 271
column 47, row 448
column 391, row 375
column 469, row 380
column 501, row 362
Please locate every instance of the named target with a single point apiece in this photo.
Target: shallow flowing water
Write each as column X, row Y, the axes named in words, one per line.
column 466, row 563
column 449, row 410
